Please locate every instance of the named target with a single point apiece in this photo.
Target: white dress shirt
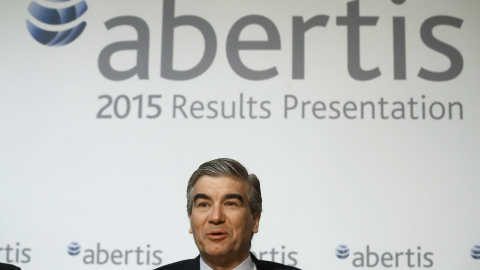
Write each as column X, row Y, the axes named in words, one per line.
column 247, row 264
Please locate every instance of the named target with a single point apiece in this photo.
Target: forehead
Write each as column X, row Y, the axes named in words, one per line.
column 220, row 184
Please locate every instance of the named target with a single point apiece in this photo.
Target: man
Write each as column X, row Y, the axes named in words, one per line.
column 224, row 204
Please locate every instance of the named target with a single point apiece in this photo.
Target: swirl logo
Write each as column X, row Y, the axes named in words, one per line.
column 342, row 252
column 476, row 252
column 62, row 22
column 73, row 249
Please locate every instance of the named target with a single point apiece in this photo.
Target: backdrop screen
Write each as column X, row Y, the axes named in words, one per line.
column 360, row 118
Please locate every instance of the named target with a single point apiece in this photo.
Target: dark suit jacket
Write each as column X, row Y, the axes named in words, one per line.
column 194, row 264
column 5, row 266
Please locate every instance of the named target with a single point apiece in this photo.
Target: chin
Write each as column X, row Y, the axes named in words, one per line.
column 217, row 251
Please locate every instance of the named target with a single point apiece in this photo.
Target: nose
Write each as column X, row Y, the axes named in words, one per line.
column 216, row 215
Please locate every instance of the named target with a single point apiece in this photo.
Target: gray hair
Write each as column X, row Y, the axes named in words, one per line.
column 231, row 168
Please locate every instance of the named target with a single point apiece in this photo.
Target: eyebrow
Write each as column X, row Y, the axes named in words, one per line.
column 227, row 196
column 234, row 196
column 201, row 196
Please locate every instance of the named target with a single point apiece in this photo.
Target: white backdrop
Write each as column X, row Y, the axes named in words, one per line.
column 116, row 186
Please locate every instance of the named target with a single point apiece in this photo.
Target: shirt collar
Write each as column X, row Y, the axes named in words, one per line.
column 247, row 264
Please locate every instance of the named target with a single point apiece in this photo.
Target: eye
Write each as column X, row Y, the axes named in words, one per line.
column 231, row 204
column 203, row 204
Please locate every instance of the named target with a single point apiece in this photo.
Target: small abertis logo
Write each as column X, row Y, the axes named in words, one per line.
column 73, row 249
column 342, row 252
column 476, row 252
column 102, row 255
column 54, row 23
column 370, row 258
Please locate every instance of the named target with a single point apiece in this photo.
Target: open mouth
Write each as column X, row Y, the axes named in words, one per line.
column 216, row 235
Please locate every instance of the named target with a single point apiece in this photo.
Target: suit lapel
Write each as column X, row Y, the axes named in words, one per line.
column 195, row 265
column 259, row 264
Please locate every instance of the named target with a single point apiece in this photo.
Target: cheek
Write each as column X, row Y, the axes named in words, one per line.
column 244, row 223
column 196, row 224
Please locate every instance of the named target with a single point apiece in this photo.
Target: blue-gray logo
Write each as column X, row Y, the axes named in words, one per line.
column 476, row 252
column 56, row 17
column 342, row 252
column 73, row 249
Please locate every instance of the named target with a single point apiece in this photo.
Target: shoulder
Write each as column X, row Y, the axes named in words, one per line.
column 267, row 265
column 191, row 264
column 8, row 267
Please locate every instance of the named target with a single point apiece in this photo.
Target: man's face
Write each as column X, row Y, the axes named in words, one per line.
column 221, row 221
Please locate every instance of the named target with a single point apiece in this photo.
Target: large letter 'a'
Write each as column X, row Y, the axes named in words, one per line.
column 140, row 46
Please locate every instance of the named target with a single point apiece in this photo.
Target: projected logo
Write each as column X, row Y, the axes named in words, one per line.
column 56, row 26
column 370, row 257
column 342, row 252
column 73, row 249
column 476, row 252
column 101, row 255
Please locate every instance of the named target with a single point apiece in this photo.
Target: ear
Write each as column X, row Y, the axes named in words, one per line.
column 256, row 221
column 190, row 229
